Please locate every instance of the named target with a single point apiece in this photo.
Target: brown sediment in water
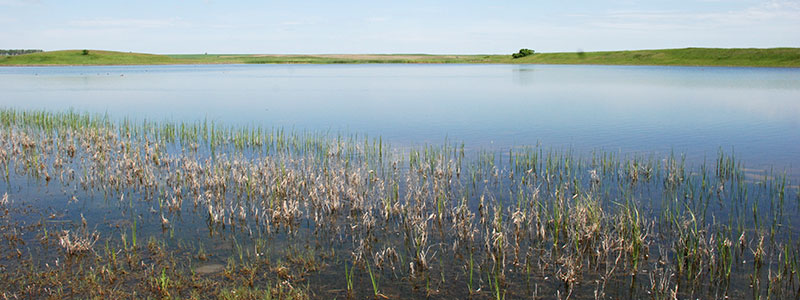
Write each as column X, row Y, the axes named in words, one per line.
column 210, row 269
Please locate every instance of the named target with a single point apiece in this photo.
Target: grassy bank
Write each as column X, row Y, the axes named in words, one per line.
column 90, row 57
column 775, row 57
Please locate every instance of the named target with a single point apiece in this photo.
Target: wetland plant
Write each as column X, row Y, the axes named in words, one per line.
column 251, row 212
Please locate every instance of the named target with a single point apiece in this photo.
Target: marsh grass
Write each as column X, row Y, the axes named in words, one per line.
column 236, row 212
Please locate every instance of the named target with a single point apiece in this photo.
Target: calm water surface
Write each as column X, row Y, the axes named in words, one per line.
column 754, row 112
column 625, row 109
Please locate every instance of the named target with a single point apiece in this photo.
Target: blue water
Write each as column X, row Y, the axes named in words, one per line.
column 624, row 109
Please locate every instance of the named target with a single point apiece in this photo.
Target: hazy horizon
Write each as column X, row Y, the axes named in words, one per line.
column 411, row 27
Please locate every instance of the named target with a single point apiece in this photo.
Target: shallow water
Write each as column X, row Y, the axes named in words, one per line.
column 214, row 216
column 754, row 112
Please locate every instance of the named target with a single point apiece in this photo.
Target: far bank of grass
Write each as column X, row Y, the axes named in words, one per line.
column 85, row 57
column 750, row 57
column 775, row 57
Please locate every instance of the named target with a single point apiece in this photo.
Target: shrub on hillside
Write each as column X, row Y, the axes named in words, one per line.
column 522, row 53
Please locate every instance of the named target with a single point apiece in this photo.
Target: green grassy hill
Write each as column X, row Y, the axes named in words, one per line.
column 775, row 57
column 93, row 57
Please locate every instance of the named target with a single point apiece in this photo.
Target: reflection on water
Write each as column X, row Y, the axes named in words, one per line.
column 629, row 109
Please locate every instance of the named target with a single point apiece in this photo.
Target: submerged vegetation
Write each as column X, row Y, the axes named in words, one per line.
column 97, row 207
column 774, row 57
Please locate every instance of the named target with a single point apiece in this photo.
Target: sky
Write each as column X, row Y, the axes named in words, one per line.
column 403, row 26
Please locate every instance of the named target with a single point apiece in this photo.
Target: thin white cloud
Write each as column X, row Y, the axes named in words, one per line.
column 128, row 23
column 772, row 11
column 296, row 23
column 18, row 3
column 376, row 19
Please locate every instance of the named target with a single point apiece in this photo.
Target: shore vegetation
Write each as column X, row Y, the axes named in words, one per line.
column 751, row 57
column 95, row 206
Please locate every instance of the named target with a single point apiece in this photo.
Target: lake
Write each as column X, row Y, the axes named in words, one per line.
column 399, row 181
column 754, row 112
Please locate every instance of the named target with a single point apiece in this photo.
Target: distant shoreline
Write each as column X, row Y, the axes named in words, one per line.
column 711, row 57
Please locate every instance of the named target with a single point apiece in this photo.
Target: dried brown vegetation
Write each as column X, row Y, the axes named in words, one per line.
column 286, row 213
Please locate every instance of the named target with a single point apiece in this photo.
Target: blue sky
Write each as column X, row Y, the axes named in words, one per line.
column 436, row 27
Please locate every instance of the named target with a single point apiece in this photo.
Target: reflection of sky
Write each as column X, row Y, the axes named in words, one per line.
column 755, row 111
